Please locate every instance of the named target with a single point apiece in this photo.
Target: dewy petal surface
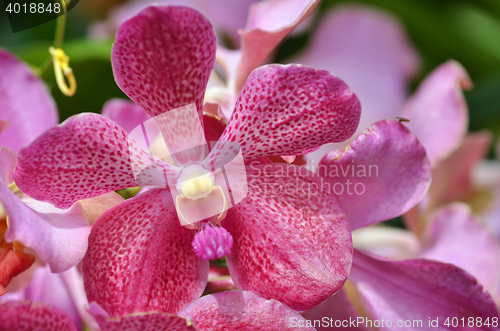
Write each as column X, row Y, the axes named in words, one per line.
column 438, row 111
column 386, row 169
column 125, row 113
column 26, row 316
column 140, row 258
column 269, row 22
column 162, row 58
column 292, row 241
column 150, row 321
column 243, row 311
column 86, row 156
column 58, row 236
column 291, row 110
column 418, row 290
column 26, row 103
column 456, row 236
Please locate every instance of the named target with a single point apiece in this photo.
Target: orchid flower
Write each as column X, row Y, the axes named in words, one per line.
column 233, row 310
column 140, row 257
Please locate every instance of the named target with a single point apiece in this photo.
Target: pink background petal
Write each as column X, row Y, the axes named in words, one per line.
column 125, row 113
column 438, row 112
column 26, row 103
column 140, row 258
column 418, row 290
column 292, row 242
column 162, row 58
column 383, row 174
column 243, row 311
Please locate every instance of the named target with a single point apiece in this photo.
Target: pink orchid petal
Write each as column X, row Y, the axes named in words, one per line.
column 371, row 52
column 291, row 110
column 26, row 103
column 146, row 321
column 3, row 125
column 456, row 236
column 27, row 316
column 125, row 113
column 269, row 22
column 438, row 112
column 419, row 290
column 383, row 174
column 337, row 309
column 58, row 236
column 241, row 310
column 162, row 58
column 292, row 242
column 86, row 156
column 451, row 177
column 140, row 258
column 213, row 128
column 492, row 215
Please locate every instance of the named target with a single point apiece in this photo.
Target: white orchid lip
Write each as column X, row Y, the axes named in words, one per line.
column 195, row 182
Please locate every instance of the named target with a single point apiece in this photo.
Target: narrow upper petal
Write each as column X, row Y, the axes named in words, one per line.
column 58, row 236
column 291, row 110
column 86, row 156
column 125, row 113
column 140, row 258
column 383, row 173
column 27, row 316
column 438, row 111
column 26, row 103
column 243, row 311
column 292, row 241
column 419, row 290
column 456, row 236
column 370, row 50
column 269, row 22
column 147, row 321
column 162, row 58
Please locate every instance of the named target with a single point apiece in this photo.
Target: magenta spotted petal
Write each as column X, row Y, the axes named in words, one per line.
column 27, row 316
column 162, row 58
column 291, row 110
column 269, row 22
column 242, row 311
column 419, row 290
column 140, row 258
column 438, row 110
column 150, row 321
column 383, row 173
column 292, row 241
column 26, row 103
column 86, row 156
column 58, row 236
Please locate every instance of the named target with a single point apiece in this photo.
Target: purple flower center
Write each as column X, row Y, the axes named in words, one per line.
column 212, row 242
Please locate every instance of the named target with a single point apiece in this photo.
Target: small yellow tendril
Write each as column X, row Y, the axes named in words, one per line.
column 61, row 67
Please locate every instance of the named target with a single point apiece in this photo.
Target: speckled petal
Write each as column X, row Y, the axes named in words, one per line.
column 86, row 156
column 291, row 110
column 162, row 58
column 292, row 241
column 26, row 103
column 27, row 316
column 147, row 321
column 383, row 174
column 419, row 290
column 269, row 22
column 140, row 258
column 58, row 236
column 456, row 236
column 125, row 113
column 242, row 311
column 438, row 111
